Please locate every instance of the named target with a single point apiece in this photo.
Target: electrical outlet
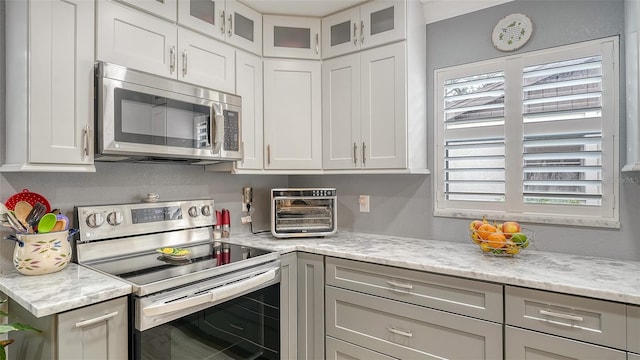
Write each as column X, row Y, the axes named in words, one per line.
column 364, row 203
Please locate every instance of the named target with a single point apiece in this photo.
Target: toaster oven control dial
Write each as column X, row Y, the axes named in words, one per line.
column 94, row 220
column 206, row 210
column 114, row 218
column 193, row 211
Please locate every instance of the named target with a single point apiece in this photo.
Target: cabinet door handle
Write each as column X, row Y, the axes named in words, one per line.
column 230, row 32
column 355, row 34
column 268, row 155
column 400, row 285
column 222, row 25
column 561, row 315
column 96, row 320
column 361, row 32
column 317, row 43
column 85, row 141
column 184, row 63
column 400, row 332
column 364, row 159
column 355, row 154
column 172, row 59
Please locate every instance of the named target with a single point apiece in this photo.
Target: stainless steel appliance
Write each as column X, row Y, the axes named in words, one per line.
column 219, row 301
column 303, row 212
column 144, row 117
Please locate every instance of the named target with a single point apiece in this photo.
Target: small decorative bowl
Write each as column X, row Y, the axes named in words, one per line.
column 498, row 243
column 39, row 254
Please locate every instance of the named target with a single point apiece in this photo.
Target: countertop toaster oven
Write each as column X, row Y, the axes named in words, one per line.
column 303, row 212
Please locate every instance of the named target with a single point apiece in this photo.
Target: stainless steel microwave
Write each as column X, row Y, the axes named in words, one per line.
column 145, row 117
column 308, row 212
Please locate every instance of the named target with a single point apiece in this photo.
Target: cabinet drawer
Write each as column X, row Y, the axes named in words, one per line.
column 524, row 344
column 595, row 321
column 467, row 297
column 633, row 328
column 408, row 331
column 342, row 350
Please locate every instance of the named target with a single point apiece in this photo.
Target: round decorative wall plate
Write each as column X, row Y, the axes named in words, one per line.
column 512, row 32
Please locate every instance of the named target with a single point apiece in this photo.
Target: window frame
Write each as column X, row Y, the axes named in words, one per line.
column 607, row 214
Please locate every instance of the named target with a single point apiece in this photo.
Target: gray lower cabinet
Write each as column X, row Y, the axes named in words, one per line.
column 288, row 306
column 526, row 344
column 633, row 329
column 342, row 350
column 95, row 332
column 311, row 335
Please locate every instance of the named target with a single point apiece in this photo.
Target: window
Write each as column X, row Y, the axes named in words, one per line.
column 530, row 137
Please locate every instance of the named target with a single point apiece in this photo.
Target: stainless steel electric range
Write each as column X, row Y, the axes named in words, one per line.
column 193, row 297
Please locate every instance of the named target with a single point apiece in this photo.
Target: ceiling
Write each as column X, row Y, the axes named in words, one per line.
column 318, row 8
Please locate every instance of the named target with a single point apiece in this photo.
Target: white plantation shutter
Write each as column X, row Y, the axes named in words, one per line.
column 530, row 137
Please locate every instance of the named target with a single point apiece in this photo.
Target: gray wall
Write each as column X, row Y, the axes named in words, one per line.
column 403, row 204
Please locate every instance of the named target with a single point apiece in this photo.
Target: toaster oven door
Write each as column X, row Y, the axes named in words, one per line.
column 303, row 217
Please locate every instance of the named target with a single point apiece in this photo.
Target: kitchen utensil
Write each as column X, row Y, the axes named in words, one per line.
column 12, row 220
column 22, row 210
column 28, row 196
column 34, row 216
column 14, row 238
column 47, row 223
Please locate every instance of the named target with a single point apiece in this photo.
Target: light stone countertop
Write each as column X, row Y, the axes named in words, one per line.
column 600, row 278
column 73, row 287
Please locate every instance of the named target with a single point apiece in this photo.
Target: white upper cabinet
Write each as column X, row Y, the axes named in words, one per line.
column 163, row 8
column 49, row 107
column 292, row 115
column 249, row 87
column 372, row 24
column 141, row 41
column 228, row 20
column 632, row 55
column 291, row 37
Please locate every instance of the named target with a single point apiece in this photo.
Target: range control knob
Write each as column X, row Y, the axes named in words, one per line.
column 206, row 210
column 193, row 211
column 114, row 218
column 94, row 220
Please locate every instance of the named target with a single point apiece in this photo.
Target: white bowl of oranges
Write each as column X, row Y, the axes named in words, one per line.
column 506, row 239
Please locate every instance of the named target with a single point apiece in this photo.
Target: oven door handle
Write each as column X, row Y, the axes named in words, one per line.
column 223, row 292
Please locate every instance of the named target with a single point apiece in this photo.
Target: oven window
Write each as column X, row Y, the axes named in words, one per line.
column 156, row 120
column 303, row 215
column 247, row 327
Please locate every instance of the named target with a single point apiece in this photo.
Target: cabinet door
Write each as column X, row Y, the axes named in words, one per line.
column 291, row 37
column 244, row 27
column 292, row 114
column 342, row 350
column 383, row 101
column 207, row 17
column 61, row 78
column 633, row 328
column 94, row 332
column 525, row 344
column 136, row 40
column 165, row 8
column 249, row 87
column 382, row 21
column 341, row 113
column 288, row 306
column 205, row 61
column 310, row 306
column 340, row 33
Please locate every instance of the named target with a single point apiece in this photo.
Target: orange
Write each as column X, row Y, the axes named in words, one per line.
column 496, row 240
column 485, row 230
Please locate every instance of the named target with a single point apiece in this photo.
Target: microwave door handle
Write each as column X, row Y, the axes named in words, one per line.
column 217, row 133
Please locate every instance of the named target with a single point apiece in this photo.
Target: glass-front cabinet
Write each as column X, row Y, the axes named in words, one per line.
column 228, row 20
column 372, row 24
column 291, row 37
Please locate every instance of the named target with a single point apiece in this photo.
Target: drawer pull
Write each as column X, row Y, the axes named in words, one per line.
column 400, row 332
column 561, row 315
column 400, row 285
column 96, row 320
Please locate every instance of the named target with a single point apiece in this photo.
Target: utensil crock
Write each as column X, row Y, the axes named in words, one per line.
column 42, row 253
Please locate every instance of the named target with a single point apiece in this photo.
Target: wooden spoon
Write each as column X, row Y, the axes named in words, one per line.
column 22, row 210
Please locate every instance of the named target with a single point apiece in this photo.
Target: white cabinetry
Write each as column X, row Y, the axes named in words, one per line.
column 228, row 20
column 164, row 8
column 98, row 331
column 632, row 54
column 310, row 306
column 140, row 41
column 49, row 78
column 374, row 23
column 292, row 115
column 374, row 106
column 249, row 87
column 291, row 37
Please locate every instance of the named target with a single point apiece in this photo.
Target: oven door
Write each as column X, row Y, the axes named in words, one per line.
column 236, row 316
column 293, row 216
